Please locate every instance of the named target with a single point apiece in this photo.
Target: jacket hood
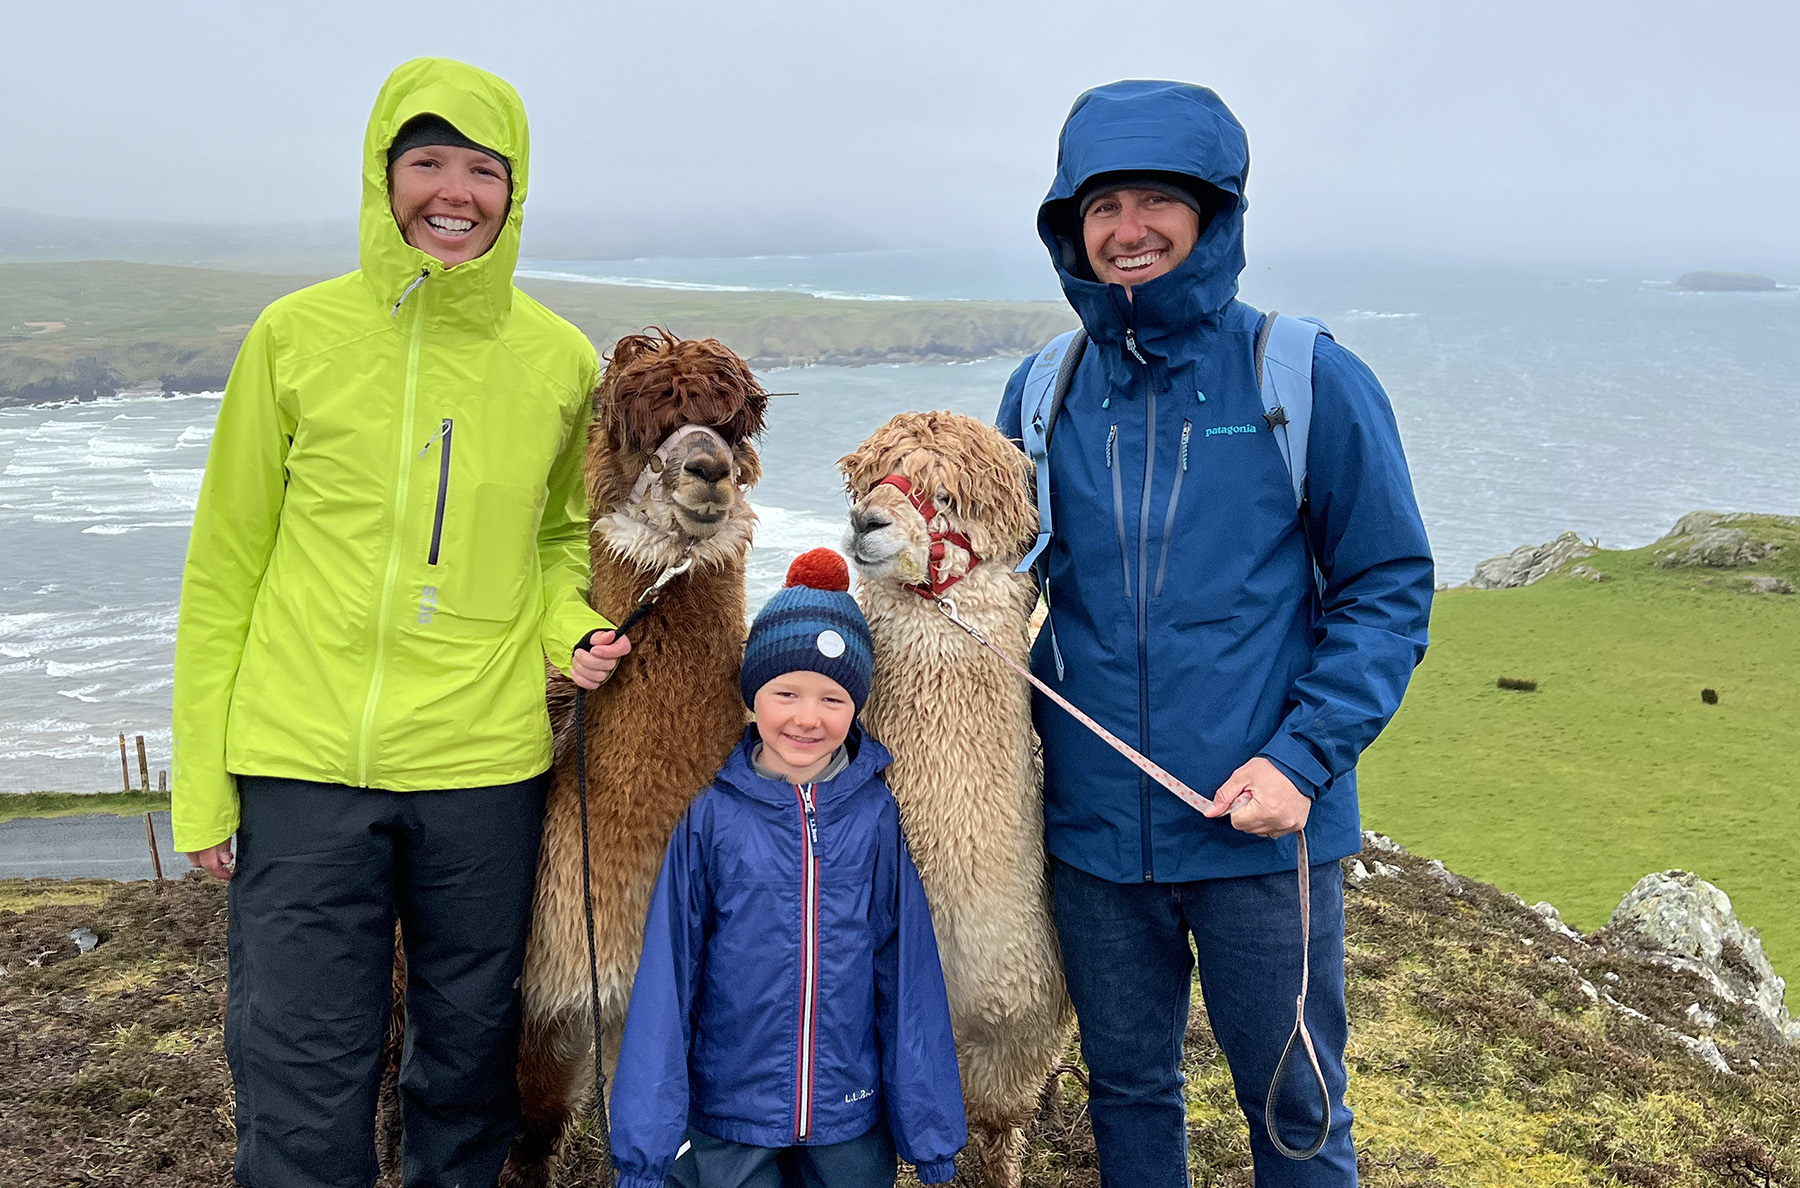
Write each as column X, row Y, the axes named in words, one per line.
column 1175, row 131
column 868, row 759
column 487, row 110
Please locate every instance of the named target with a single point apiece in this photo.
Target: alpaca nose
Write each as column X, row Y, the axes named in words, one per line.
column 708, row 467
column 864, row 522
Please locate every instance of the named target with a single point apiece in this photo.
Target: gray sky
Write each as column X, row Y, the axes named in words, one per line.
column 1651, row 132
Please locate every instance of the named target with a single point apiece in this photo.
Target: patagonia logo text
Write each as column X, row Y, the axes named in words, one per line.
column 1216, row 430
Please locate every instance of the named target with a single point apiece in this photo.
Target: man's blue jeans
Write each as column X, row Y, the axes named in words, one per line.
column 1126, row 956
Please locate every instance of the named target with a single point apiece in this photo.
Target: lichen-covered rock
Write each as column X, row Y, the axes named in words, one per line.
column 1762, row 583
column 1717, row 547
column 1678, row 918
column 1529, row 563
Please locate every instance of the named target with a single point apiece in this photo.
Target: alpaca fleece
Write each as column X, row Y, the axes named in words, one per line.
column 966, row 772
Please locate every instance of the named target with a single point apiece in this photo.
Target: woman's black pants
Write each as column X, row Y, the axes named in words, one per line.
column 323, row 872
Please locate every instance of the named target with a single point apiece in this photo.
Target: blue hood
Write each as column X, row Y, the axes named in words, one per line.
column 1165, row 128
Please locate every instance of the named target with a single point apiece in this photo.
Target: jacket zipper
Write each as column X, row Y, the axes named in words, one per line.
column 1143, row 604
column 409, row 405
column 1162, row 566
column 437, row 519
column 1118, row 486
column 809, row 956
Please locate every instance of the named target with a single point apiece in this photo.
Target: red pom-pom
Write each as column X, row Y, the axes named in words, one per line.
column 819, row 569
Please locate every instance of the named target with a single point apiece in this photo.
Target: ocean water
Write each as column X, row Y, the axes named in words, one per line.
column 1529, row 404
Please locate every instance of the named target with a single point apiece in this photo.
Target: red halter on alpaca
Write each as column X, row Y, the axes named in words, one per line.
column 933, row 587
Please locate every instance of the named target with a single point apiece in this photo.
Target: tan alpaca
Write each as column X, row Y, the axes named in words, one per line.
column 660, row 728
column 965, row 772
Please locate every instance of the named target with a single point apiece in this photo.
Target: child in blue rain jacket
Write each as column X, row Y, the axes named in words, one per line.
column 789, row 1019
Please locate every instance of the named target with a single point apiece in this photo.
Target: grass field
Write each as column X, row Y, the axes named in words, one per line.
column 74, row 804
column 1615, row 767
column 75, row 328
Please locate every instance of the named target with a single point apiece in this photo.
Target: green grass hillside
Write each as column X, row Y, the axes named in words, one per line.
column 69, row 329
column 1614, row 767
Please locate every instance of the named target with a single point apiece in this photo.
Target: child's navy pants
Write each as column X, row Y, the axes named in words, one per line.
column 1129, row 968
column 323, row 871
column 865, row 1162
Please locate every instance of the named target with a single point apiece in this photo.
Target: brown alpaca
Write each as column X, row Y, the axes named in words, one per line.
column 659, row 729
column 965, row 772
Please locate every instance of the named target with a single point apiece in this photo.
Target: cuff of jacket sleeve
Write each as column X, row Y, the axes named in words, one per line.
column 573, row 627
column 643, row 1181
column 202, row 812
column 1307, row 788
column 1297, row 763
column 938, row 1171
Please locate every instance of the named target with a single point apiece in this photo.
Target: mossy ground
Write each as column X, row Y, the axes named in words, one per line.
column 1614, row 767
column 1477, row 1059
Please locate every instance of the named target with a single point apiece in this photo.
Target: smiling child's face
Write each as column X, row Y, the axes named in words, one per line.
column 803, row 718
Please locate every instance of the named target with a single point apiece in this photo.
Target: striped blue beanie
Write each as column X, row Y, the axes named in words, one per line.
column 813, row 625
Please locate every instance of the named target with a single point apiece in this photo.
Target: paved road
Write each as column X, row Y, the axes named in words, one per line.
column 95, row 845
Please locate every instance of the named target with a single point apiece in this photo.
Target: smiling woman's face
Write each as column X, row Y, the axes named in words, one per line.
column 449, row 202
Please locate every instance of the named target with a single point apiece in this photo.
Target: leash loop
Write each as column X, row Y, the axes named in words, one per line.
column 1194, row 800
column 1300, row 1035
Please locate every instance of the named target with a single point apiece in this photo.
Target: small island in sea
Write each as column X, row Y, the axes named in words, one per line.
column 1725, row 282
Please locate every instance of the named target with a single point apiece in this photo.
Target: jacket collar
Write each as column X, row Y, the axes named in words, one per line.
column 868, row 759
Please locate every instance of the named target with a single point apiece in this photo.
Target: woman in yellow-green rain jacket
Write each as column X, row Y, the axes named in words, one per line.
column 390, row 538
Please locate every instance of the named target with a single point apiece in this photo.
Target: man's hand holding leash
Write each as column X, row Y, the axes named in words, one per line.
column 1261, row 801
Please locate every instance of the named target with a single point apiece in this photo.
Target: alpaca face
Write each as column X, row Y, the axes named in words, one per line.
column 655, row 390
column 977, row 479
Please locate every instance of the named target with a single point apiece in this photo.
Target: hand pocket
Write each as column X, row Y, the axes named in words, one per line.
column 496, row 570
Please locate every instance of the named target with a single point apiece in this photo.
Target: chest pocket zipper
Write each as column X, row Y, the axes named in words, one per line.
column 1118, row 486
column 443, row 494
column 1162, row 566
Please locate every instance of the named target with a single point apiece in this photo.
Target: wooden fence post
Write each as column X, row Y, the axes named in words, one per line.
column 143, row 764
column 155, row 858
column 124, row 763
column 162, row 781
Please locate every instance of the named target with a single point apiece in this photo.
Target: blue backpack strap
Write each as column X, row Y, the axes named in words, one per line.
column 1284, row 359
column 1046, row 387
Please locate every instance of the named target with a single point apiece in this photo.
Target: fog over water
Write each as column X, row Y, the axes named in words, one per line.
column 1652, row 131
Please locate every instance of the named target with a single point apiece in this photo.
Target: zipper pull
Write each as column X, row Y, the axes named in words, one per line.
column 1112, row 439
column 1187, row 431
column 812, row 821
column 424, row 275
column 433, row 439
column 1131, row 346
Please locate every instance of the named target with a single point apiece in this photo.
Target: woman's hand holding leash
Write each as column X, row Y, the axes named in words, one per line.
column 1261, row 801
column 597, row 656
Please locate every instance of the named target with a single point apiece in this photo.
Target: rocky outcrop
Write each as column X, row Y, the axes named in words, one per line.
column 1529, row 563
column 1677, row 918
column 1705, row 538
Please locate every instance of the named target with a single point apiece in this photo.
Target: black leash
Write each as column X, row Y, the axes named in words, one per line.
column 646, row 601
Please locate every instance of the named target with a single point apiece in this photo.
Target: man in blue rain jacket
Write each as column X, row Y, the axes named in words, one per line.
column 1184, row 615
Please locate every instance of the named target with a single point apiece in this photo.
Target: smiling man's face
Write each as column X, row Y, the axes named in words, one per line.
column 1133, row 236
column 450, row 202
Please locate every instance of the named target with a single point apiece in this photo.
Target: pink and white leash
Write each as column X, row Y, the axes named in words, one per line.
column 1198, row 803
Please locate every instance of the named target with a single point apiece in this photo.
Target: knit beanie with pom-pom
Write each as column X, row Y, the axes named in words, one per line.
column 812, row 624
